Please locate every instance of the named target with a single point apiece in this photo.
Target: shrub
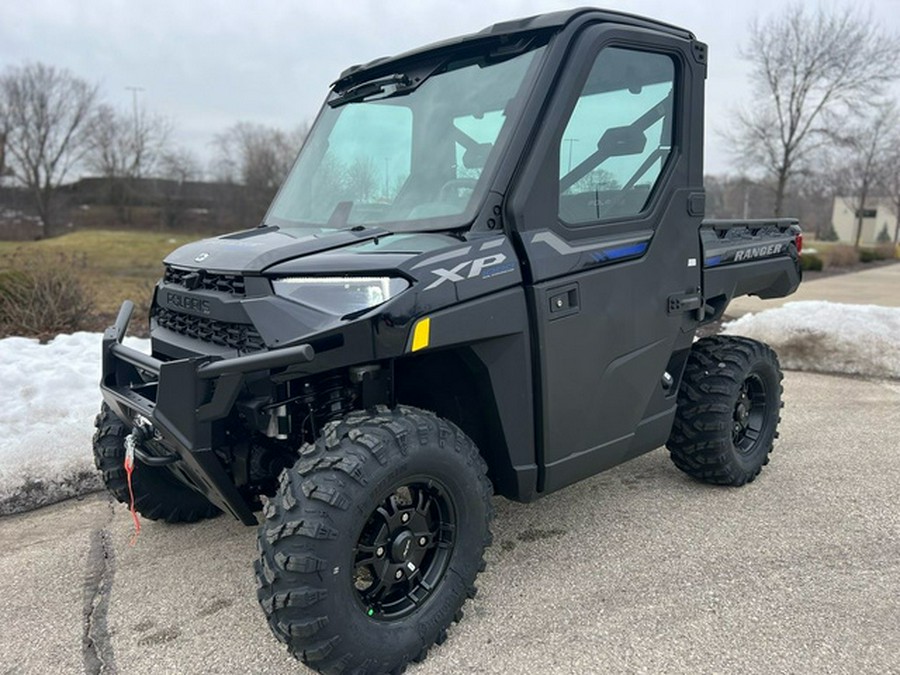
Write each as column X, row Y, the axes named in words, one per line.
column 841, row 255
column 828, row 233
column 810, row 262
column 886, row 251
column 42, row 297
column 880, row 252
column 884, row 237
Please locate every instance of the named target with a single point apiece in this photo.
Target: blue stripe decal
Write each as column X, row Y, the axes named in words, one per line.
column 620, row 252
column 626, row 251
column 712, row 262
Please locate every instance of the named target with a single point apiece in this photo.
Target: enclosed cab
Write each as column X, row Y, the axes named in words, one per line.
column 484, row 273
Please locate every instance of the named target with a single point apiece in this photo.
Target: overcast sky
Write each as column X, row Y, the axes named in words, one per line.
column 207, row 65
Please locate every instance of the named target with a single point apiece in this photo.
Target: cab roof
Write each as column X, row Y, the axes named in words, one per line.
column 549, row 22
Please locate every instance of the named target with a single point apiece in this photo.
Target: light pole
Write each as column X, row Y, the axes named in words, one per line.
column 134, row 110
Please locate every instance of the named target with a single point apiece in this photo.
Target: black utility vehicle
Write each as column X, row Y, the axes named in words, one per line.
column 483, row 275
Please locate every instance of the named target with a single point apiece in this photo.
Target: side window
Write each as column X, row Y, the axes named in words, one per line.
column 618, row 138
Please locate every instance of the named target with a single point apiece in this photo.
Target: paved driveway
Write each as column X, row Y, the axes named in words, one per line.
column 639, row 569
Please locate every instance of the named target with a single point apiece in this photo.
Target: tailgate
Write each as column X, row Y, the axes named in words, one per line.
column 749, row 257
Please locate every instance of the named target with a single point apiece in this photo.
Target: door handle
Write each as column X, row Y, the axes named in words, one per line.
column 563, row 301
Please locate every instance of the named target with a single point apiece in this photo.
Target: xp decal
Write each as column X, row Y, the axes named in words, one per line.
column 486, row 267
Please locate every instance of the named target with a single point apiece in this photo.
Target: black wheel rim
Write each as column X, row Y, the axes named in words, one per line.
column 404, row 550
column 750, row 413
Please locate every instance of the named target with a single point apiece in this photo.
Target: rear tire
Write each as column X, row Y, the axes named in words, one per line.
column 374, row 540
column 158, row 495
column 729, row 407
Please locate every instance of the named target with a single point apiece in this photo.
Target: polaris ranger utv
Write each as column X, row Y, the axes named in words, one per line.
column 484, row 274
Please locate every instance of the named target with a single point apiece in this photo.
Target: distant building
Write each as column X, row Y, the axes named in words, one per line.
column 877, row 215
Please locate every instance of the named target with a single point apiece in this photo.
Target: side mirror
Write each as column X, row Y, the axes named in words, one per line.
column 475, row 157
column 621, row 141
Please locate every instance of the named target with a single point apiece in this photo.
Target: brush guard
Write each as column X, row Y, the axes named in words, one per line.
column 183, row 400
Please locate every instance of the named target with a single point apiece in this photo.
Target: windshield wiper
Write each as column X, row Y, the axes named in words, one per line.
column 401, row 83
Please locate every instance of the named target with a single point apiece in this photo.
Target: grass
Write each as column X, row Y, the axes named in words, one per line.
column 113, row 265
column 116, row 265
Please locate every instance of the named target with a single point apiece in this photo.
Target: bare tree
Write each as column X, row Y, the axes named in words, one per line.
column 815, row 188
column 598, row 180
column 125, row 147
column 177, row 167
column 4, row 134
column 180, row 165
column 46, row 112
column 329, row 179
column 891, row 181
column 5, row 129
column 811, row 68
column 865, row 147
column 255, row 155
column 258, row 158
column 361, row 178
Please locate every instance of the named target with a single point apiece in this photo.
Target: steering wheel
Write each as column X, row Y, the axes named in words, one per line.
column 450, row 190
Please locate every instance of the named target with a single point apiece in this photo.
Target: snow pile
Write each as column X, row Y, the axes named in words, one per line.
column 49, row 395
column 828, row 337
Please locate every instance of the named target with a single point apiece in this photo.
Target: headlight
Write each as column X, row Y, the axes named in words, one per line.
column 340, row 295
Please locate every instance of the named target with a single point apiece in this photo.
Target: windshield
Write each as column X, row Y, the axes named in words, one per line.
column 406, row 160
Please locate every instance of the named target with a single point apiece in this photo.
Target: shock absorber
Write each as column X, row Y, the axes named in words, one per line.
column 334, row 397
column 279, row 426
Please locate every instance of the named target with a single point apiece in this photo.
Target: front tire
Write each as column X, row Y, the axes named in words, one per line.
column 374, row 540
column 729, row 407
column 158, row 495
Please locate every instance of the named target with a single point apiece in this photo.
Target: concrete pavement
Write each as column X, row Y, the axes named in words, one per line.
column 878, row 286
column 639, row 569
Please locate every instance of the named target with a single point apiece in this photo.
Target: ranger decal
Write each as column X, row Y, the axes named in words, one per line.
column 758, row 252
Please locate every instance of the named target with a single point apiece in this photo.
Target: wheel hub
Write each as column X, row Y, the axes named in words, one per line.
column 749, row 413
column 402, row 546
column 404, row 550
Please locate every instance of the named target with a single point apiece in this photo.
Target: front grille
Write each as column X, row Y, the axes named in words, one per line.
column 240, row 336
column 192, row 280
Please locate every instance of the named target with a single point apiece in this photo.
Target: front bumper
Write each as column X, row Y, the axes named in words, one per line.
column 183, row 400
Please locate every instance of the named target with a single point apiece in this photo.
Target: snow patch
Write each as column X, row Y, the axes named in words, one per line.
column 828, row 337
column 49, row 395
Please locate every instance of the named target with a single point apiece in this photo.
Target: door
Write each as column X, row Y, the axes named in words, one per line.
column 607, row 214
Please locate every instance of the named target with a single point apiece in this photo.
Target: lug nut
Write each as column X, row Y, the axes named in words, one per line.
column 404, row 518
column 379, row 551
column 398, row 574
column 422, row 541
